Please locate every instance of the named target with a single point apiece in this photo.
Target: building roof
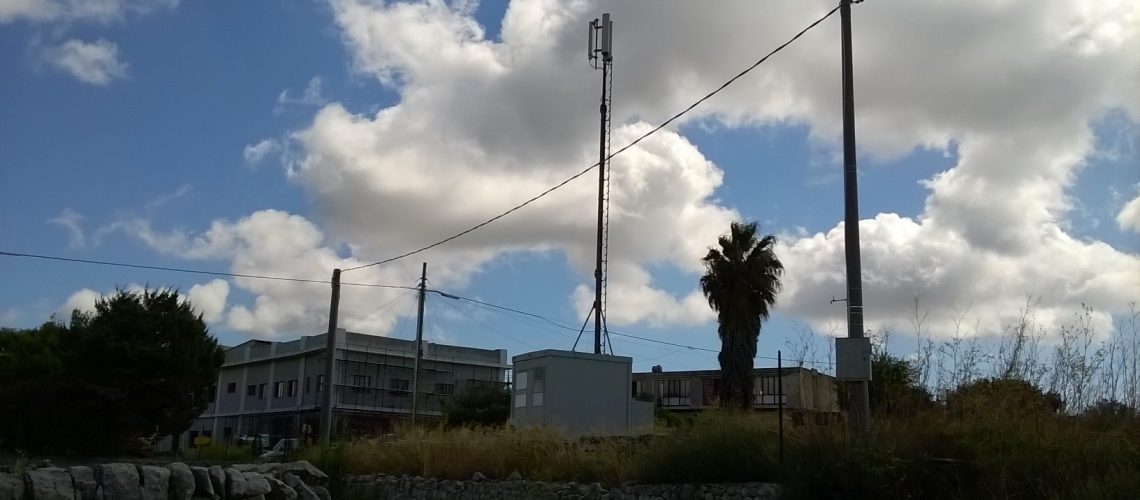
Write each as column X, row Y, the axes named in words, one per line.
column 571, row 354
column 716, row 373
column 262, row 350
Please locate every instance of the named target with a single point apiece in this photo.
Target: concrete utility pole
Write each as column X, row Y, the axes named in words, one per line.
column 419, row 346
column 859, row 402
column 330, row 360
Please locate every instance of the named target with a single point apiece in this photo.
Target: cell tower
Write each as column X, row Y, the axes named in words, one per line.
column 600, row 54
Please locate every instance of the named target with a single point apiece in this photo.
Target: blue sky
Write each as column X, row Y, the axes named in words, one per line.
column 143, row 142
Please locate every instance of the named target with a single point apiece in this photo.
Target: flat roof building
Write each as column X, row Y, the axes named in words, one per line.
column 275, row 388
column 577, row 394
column 805, row 390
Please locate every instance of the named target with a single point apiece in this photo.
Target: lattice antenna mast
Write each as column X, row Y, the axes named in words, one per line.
column 600, row 55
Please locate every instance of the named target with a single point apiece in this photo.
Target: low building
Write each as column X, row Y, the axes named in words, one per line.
column 577, row 394
column 276, row 388
column 805, row 391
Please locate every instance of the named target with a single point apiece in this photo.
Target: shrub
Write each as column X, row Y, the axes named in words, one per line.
column 717, row 447
column 479, row 407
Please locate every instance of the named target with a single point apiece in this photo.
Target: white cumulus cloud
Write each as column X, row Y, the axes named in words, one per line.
column 255, row 153
column 72, row 221
column 209, row 299
column 95, row 62
column 1011, row 87
column 1129, row 217
column 82, row 300
column 98, row 11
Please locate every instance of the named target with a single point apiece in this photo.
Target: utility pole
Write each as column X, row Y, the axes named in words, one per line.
column 600, row 52
column 780, row 398
column 330, row 359
column 859, row 402
column 419, row 346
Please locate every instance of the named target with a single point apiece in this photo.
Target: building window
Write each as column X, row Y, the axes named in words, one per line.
column 292, row 388
column 520, row 400
column 540, row 379
column 261, row 391
column 766, row 391
column 213, row 395
column 397, row 384
column 642, row 391
column 520, row 381
column 307, row 379
column 537, row 392
column 231, row 387
column 674, row 392
column 251, row 390
column 320, row 383
column 445, row 389
column 361, row 383
column 279, row 389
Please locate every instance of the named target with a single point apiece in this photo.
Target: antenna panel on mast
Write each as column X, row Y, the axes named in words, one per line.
column 590, row 53
column 607, row 37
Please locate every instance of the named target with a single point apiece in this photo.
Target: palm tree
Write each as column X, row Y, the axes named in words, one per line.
column 740, row 282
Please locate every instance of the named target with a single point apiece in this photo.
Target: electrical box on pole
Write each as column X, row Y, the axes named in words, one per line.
column 853, row 359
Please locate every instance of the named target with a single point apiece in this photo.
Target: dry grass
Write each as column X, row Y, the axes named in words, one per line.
column 458, row 454
column 930, row 455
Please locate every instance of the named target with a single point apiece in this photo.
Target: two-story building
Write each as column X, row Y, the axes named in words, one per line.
column 805, row 391
column 276, row 388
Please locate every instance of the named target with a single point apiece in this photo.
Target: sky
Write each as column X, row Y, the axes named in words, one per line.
column 999, row 164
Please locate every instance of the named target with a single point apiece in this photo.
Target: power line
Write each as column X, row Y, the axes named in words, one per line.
column 504, row 308
column 558, row 324
column 194, row 271
column 485, row 325
column 573, row 329
column 612, row 155
column 374, row 285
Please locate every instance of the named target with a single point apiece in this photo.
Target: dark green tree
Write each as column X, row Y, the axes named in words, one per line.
column 895, row 388
column 155, row 348
column 1002, row 396
column 741, row 281
column 480, row 406
column 142, row 364
column 1109, row 413
column 31, row 379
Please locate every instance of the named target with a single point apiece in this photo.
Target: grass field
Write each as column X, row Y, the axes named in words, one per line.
column 928, row 455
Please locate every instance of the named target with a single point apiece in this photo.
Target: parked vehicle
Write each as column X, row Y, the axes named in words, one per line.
column 258, row 442
column 282, row 448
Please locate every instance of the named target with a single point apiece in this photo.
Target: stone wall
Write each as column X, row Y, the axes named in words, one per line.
column 177, row 481
column 478, row 488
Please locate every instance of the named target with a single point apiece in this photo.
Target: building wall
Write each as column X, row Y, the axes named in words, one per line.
column 803, row 389
column 367, row 380
column 578, row 393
